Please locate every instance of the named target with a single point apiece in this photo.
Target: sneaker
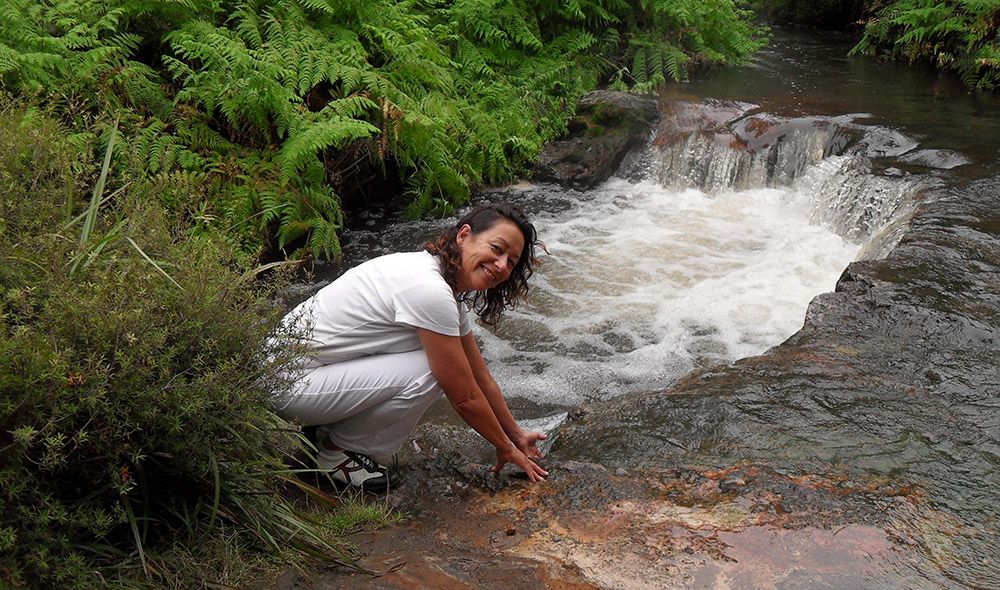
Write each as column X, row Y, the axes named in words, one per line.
column 356, row 470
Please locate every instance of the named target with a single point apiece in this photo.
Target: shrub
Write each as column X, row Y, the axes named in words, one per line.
column 135, row 373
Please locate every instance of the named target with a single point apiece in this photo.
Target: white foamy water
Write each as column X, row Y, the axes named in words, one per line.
column 644, row 283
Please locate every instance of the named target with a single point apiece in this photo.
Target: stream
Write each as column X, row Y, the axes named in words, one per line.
column 709, row 247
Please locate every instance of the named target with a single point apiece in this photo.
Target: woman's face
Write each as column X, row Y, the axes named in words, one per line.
column 489, row 256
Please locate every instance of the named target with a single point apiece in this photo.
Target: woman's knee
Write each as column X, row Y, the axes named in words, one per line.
column 426, row 386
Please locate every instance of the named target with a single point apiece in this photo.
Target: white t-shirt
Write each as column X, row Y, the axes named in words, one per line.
column 375, row 308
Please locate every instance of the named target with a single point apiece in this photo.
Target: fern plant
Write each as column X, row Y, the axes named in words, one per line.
column 961, row 35
column 273, row 103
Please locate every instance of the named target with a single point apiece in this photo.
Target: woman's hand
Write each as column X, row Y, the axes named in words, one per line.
column 513, row 455
column 527, row 443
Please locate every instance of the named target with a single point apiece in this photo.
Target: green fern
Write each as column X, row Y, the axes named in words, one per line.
column 263, row 99
column 220, row 74
column 951, row 34
column 334, row 132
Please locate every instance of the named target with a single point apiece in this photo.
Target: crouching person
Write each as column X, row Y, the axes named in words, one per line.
column 392, row 335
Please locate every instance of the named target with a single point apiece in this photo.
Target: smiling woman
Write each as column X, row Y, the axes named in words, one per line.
column 392, row 335
column 490, row 257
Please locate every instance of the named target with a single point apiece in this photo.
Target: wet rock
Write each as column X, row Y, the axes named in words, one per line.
column 583, row 532
column 733, row 482
column 608, row 125
column 683, row 118
column 893, row 375
column 939, row 159
column 579, row 466
column 884, row 142
column 439, row 487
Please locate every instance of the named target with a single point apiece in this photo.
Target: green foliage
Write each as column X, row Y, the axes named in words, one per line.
column 252, row 97
column 135, row 377
column 961, row 35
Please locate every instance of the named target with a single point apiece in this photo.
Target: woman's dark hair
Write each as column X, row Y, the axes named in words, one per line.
column 489, row 305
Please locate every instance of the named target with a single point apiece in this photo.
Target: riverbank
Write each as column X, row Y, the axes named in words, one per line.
column 857, row 453
column 849, row 497
column 596, row 526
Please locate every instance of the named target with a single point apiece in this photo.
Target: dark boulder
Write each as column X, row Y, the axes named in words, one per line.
column 607, row 127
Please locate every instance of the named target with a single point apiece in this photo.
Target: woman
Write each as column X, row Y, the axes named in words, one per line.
column 391, row 335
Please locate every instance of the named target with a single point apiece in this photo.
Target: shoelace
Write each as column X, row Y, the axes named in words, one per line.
column 365, row 461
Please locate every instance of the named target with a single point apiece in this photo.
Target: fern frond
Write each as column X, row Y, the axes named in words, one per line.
column 353, row 107
column 334, row 132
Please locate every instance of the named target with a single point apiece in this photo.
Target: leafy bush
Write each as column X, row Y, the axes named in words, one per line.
column 135, row 373
column 961, row 35
column 273, row 110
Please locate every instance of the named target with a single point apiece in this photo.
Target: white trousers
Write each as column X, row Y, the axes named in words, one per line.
column 369, row 405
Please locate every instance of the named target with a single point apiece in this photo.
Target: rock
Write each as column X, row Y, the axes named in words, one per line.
column 608, row 125
column 938, row 159
column 884, row 142
column 438, row 487
column 893, row 374
column 733, row 482
column 582, row 466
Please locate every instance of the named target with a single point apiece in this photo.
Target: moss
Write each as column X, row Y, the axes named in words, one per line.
column 607, row 114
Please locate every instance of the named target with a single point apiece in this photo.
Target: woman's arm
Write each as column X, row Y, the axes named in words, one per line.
column 525, row 440
column 451, row 367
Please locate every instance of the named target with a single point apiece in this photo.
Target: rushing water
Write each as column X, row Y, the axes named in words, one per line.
column 643, row 283
column 706, row 255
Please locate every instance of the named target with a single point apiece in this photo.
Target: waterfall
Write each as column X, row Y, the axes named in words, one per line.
column 828, row 161
column 707, row 249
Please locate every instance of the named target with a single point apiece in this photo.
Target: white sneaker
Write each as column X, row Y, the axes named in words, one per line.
column 356, row 470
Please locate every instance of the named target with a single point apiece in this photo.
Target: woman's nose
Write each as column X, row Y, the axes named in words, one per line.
column 501, row 264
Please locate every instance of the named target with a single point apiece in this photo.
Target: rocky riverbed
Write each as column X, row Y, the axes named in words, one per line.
column 860, row 453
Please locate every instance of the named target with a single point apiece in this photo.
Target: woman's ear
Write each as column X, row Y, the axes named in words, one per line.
column 463, row 234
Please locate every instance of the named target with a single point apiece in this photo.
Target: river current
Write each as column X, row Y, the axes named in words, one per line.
column 642, row 283
column 695, row 255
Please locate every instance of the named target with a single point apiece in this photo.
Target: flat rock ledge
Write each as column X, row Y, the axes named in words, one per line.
column 609, row 125
column 594, row 527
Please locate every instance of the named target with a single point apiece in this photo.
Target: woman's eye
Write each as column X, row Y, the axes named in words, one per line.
column 497, row 249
